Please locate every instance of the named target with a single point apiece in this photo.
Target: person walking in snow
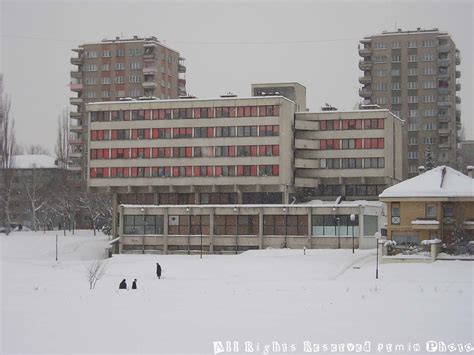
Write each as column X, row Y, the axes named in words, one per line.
column 123, row 285
column 158, row 270
column 134, row 284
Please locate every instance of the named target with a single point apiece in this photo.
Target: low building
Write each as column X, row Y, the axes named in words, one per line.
column 236, row 228
column 430, row 206
column 356, row 154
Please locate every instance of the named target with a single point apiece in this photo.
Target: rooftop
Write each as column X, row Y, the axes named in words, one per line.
column 441, row 181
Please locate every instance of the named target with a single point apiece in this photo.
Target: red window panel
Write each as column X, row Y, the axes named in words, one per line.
column 275, row 170
column 134, row 172
column 189, row 152
column 209, row 171
column 322, row 144
column 154, row 133
column 345, row 124
column 93, row 173
column 114, row 153
column 209, row 151
column 253, row 111
column 210, row 132
column 155, row 114
column 189, row 132
column 134, row 134
column 240, row 111
column 100, row 135
column 232, row 111
column 147, row 133
column 105, row 172
column 189, row 171
column 276, row 110
column 366, row 124
column 253, row 150
column 162, row 114
column 336, row 144
column 381, row 123
column 276, row 150
column 210, row 112
column 218, row 170
column 113, row 172
column 197, row 113
column 337, row 125
column 175, row 171
column 154, row 152
column 114, row 134
column 100, row 153
column 261, row 150
column 232, row 151
column 367, row 143
column 167, row 152
column 125, row 172
column 322, row 125
column 106, row 154
column 197, row 171
column 358, row 124
column 147, row 153
column 247, row 111
column 374, row 143
column 147, row 114
column 175, row 132
column 276, row 130
column 253, row 170
column 147, row 172
column 381, row 143
column 240, row 170
column 126, row 153
column 93, row 154
column 126, row 115
column 262, row 111
column 358, row 143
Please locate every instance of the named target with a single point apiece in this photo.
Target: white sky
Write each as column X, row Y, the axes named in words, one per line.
column 227, row 45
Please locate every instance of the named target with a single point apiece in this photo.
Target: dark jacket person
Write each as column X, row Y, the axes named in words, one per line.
column 134, row 284
column 123, row 285
column 158, row 270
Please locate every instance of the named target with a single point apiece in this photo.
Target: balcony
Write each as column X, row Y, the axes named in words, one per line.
column 75, row 154
column 444, row 146
column 76, row 61
column 444, row 131
column 443, row 91
column 149, row 84
column 443, row 62
column 76, row 100
column 458, row 114
column 74, row 141
column 365, row 79
column 458, row 74
column 458, row 60
column 150, row 71
column 75, row 128
column 444, row 104
column 458, row 100
column 444, row 119
column 365, row 52
column 445, row 48
column 149, row 55
column 181, row 68
column 365, row 65
column 365, row 92
column 443, row 75
column 74, row 114
column 76, row 74
column 458, row 125
column 458, row 87
column 424, row 224
column 76, row 87
column 74, row 167
column 366, row 40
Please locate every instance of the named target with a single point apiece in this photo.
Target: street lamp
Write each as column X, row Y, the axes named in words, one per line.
column 353, row 218
column 377, row 238
column 286, row 226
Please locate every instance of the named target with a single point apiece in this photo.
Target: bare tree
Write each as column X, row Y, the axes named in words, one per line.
column 95, row 271
column 96, row 207
column 36, row 149
column 7, row 149
column 36, row 188
column 62, row 140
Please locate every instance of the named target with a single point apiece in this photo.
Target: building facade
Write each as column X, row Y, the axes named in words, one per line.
column 236, row 228
column 356, row 154
column 293, row 91
column 115, row 69
column 430, row 206
column 414, row 74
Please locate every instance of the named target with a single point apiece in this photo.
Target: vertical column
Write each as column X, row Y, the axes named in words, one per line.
column 211, row 231
column 260, row 227
column 310, row 229
column 120, row 230
column 115, row 215
column 361, row 223
column 239, row 196
column 165, row 231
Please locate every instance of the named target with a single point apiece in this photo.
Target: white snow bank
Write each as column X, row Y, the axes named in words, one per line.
column 425, row 221
column 430, row 241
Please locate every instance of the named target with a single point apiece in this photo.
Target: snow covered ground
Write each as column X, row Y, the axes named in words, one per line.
column 262, row 300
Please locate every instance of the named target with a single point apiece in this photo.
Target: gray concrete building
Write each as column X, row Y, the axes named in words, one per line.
column 356, row 154
column 293, row 91
column 467, row 155
column 413, row 73
column 118, row 68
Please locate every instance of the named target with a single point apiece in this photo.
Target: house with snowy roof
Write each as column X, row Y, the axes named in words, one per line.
column 429, row 206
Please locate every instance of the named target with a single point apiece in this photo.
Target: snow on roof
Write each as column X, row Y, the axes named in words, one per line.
column 441, row 181
column 33, row 161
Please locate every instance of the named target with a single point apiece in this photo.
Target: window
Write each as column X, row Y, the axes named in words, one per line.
column 135, row 79
column 233, row 224
column 395, row 58
column 106, row 53
column 90, row 67
column 412, row 44
column 379, row 87
column 374, row 163
column 106, row 80
column 413, row 155
column 143, row 224
column 428, row 43
column 412, row 99
column 428, row 57
column 374, row 123
column 380, row 73
column 285, row 224
column 120, row 52
column 412, row 58
column 105, row 94
column 413, row 113
column 90, row 95
column 430, row 210
column 395, row 72
column 429, row 140
column 90, row 81
column 429, row 126
column 412, row 85
column 334, row 225
column 396, row 99
column 429, row 85
column 395, row 212
column 428, row 98
column 395, row 45
column 352, row 163
column 105, row 66
column 412, row 127
column 119, row 66
column 428, row 71
column 395, row 86
column 119, row 79
column 91, row 54
column 412, row 71
column 379, row 45
column 413, row 141
column 225, row 131
column 381, row 100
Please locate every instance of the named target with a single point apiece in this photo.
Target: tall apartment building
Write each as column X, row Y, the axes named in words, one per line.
column 115, row 69
column 413, row 73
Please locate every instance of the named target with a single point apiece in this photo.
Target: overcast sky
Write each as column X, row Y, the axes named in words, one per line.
column 227, row 45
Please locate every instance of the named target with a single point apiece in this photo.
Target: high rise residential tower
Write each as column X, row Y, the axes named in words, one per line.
column 413, row 73
column 117, row 69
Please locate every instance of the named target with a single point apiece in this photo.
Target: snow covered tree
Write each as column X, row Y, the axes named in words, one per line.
column 36, row 186
column 429, row 158
column 62, row 139
column 36, row 149
column 7, row 149
column 95, row 271
column 97, row 207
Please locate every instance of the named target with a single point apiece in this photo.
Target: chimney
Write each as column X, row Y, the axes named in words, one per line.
column 421, row 169
column 470, row 171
